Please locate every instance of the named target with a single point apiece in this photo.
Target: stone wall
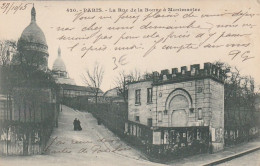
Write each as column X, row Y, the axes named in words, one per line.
column 217, row 118
column 164, row 94
column 144, row 109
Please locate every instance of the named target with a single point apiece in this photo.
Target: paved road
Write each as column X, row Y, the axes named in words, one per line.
column 204, row 159
column 94, row 145
column 251, row 159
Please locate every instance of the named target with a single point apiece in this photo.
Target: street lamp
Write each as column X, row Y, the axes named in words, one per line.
column 61, row 98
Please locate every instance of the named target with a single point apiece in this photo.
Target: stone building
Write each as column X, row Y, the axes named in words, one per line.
column 113, row 95
column 59, row 71
column 68, row 87
column 178, row 107
column 32, row 45
column 74, row 91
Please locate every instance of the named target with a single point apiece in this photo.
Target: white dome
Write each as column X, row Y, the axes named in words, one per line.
column 59, row 65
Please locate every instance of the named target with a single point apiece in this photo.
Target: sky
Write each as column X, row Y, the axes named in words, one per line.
column 53, row 14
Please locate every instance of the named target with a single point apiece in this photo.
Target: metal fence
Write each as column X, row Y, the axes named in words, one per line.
column 27, row 137
column 112, row 115
column 175, row 142
column 240, row 124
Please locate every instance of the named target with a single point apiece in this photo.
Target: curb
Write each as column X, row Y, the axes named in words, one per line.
column 231, row 157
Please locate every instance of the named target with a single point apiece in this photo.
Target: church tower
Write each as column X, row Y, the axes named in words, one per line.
column 60, row 72
column 32, row 45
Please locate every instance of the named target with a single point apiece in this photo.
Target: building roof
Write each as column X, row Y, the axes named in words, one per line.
column 58, row 64
column 33, row 33
column 33, row 39
column 78, row 88
column 196, row 73
column 111, row 92
column 62, row 80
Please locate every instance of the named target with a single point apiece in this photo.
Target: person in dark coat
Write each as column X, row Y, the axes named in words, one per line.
column 79, row 126
column 75, row 124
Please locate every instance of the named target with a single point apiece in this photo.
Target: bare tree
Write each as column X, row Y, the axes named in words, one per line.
column 6, row 48
column 120, row 83
column 239, row 97
column 94, row 79
column 134, row 75
column 123, row 78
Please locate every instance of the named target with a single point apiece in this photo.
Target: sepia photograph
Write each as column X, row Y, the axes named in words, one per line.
column 122, row 83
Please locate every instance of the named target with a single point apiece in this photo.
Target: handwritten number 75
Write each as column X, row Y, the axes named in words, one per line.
column 121, row 61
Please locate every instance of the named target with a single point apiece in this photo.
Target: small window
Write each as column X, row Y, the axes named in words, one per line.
column 165, row 112
column 160, row 116
column 138, row 96
column 150, row 122
column 199, row 113
column 149, row 95
column 137, row 118
column 191, row 110
column 199, row 89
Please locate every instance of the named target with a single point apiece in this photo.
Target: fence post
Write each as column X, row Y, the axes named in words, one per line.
column 7, row 140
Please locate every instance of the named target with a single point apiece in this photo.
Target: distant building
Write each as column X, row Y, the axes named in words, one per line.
column 113, row 95
column 59, row 71
column 68, row 90
column 68, row 87
column 178, row 107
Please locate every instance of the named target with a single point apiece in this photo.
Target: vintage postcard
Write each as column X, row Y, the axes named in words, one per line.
column 130, row 82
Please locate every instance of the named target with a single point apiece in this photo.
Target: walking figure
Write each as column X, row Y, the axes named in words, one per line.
column 77, row 126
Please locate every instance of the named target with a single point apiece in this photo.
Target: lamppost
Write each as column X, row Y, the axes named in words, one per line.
column 61, row 101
